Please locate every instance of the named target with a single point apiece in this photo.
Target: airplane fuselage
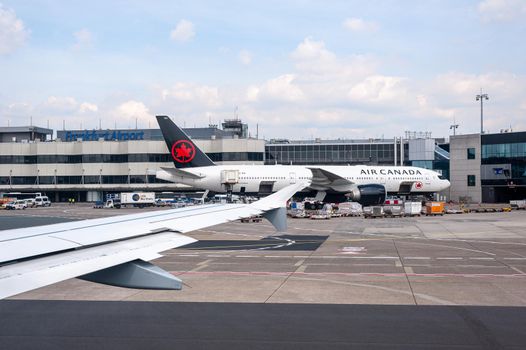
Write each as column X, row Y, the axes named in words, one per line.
column 255, row 178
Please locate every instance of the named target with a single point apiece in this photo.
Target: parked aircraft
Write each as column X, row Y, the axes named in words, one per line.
column 116, row 250
column 365, row 184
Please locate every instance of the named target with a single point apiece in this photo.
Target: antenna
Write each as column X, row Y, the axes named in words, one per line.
column 100, row 124
column 63, row 124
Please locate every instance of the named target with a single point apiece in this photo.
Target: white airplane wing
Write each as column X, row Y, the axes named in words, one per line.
column 115, row 250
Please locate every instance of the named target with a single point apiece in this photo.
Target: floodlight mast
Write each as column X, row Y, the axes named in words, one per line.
column 481, row 97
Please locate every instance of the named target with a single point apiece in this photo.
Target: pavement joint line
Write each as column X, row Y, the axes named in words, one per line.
column 349, row 274
column 405, row 273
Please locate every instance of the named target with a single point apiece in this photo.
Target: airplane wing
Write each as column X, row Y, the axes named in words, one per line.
column 115, row 250
column 323, row 179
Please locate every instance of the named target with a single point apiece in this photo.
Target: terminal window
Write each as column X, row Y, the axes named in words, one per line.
column 471, row 153
column 471, row 180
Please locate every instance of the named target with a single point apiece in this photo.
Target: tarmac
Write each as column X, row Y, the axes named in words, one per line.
column 456, row 281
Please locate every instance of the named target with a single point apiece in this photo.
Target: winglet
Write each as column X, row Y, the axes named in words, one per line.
column 274, row 205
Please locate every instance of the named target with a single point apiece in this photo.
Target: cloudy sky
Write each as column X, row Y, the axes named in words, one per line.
column 299, row 69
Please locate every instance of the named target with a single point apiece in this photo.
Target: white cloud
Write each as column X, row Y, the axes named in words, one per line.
column 87, row 107
column 379, row 88
column 193, row 94
column 13, row 34
column 184, row 31
column 282, row 88
column 501, row 10
column 245, row 57
column 61, row 104
column 360, row 25
column 131, row 110
column 83, row 39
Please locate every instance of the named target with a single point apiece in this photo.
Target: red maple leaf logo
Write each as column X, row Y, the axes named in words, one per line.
column 183, row 151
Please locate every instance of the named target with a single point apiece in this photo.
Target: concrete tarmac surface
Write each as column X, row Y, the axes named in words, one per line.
column 456, row 281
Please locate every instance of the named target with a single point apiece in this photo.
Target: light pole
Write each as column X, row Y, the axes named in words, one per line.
column 454, row 126
column 481, row 97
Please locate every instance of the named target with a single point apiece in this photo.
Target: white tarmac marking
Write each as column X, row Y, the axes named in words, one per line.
column 513, row 258
column 450, row 258
column 247, row 256
column 299, row 263
column 416, row 258
column 482, row 258
column 218, row 256
column 408, row 270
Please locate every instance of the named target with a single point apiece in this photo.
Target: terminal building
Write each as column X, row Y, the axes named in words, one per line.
column 488, row 168
column 88, row 164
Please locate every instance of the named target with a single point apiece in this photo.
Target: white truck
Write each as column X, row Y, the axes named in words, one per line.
column 136, row 199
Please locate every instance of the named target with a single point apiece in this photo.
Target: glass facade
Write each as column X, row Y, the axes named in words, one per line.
column 121, row 158
column 331, row 153
column 504, row 151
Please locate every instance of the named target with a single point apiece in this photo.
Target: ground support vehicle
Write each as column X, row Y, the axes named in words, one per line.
column 518, row 204
column 252, row 219
column 434, row 208
column 42, row 201
column 15, row 205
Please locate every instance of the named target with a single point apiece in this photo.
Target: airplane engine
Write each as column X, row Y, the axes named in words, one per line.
column 367, row 195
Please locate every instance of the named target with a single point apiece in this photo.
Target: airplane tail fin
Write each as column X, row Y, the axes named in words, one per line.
column 185, row 153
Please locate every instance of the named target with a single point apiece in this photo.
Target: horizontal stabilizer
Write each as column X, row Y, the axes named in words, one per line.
column 135, row 274
column 182, row 173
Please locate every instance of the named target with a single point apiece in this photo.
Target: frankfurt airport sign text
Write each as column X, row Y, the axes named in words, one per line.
column 95, row 135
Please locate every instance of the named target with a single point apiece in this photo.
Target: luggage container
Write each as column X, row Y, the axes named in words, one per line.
column 393, row 211
column 413, row 208
column 373, row 212
column 434, row 208
column 350, row 209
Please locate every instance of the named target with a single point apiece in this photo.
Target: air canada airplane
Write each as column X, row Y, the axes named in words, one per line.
column 116, row 250
column 368, row 185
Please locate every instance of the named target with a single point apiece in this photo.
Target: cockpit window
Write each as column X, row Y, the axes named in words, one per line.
column 442, row 177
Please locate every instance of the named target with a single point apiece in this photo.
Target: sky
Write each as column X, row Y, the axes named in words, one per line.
column 295, row 69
